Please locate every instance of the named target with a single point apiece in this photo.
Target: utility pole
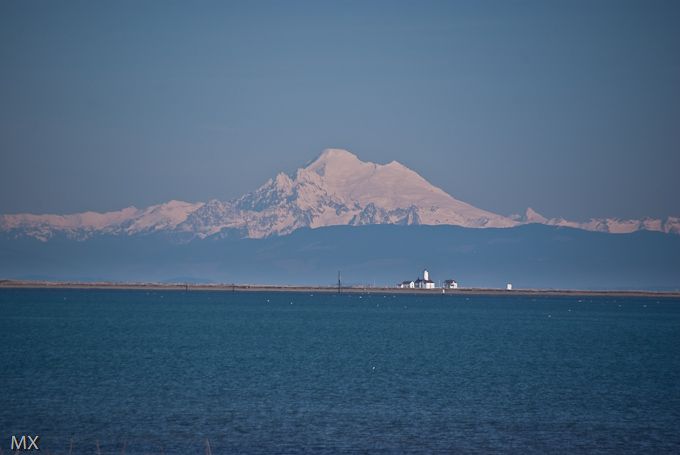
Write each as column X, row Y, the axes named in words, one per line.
column 339, row 282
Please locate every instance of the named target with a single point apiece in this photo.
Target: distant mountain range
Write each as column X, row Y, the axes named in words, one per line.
column 335, row 189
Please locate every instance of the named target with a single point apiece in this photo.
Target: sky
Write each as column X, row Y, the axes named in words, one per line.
column 572, row 108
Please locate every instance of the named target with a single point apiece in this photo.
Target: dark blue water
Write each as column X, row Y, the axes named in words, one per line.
column 162, row 372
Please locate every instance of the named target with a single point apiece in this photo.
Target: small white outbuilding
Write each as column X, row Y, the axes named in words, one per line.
column 407, row 284
column 451, row 284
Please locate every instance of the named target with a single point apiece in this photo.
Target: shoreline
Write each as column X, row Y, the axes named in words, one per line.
column 224, row 287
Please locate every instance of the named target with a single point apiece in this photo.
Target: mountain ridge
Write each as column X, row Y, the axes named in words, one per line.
column 336, row 188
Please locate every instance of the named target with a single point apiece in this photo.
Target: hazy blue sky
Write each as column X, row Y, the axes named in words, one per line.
column 570, row 107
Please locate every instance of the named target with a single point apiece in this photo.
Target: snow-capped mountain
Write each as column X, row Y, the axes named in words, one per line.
column 611, row 225
column 339, row 189
column 335, row 189
column 130, row 220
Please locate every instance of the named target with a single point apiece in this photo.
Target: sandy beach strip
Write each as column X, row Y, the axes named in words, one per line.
column 226, row 287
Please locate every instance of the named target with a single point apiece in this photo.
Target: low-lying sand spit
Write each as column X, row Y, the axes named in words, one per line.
column 227, row 287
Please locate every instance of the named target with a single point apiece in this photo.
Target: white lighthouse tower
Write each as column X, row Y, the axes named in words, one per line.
column 426, row 275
